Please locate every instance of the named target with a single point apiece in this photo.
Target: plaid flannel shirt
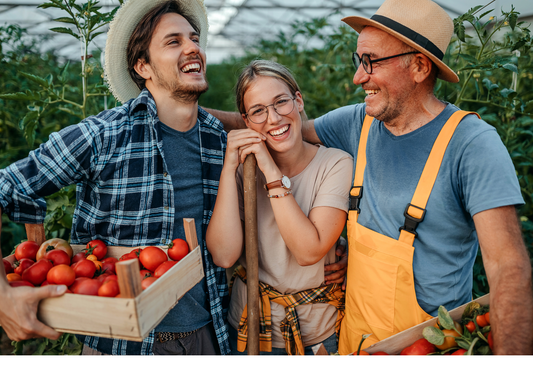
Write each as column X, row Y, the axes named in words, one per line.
column 290, row 325
column 123, row 192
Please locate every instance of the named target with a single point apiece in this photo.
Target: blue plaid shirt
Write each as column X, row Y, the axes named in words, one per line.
column 124, row 194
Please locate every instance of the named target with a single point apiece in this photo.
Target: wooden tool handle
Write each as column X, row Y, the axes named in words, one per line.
column 252, row 265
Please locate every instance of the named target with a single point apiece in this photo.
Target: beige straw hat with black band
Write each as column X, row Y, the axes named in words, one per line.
column 422, row 24
column 120, row 29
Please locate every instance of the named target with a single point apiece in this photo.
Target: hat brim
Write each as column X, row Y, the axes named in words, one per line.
column 358, row 23
column 120, row 29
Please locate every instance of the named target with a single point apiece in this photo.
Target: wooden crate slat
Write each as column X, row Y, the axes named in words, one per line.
column 165, row 293
column 108, row 317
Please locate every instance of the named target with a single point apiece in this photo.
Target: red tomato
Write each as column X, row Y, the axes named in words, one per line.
column 27, row 250
column 76, row 283
column 487, row 318
column 421, row 347
column 84, row 268
column 8, row 267
column 471, row 326
column 380, row 354
column 87, row 287
column 20, row 283
column 163, row 268
column 459, row 352
column 12, row 277
column 109, row 289
column 481, row 321
column 23, row 264
column 78, row 257
column 61, row 275
column 97, row 247
column 45, row 283
column 490, row 340
column 135, row 252
column 177, row 249
column 58, row 257
column 145, row 274
column 147, row 282
column 108, row 264
column 36, row 273
column 112, row 277
column 51, row 244
column 151, row 257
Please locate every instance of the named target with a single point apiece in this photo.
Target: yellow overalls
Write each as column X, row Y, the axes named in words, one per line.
column 380, row 291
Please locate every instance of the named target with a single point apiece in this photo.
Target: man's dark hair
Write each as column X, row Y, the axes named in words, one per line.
column 142, row 35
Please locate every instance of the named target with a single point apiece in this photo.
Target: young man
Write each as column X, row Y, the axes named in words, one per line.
column 416, row 219
column 141, row 167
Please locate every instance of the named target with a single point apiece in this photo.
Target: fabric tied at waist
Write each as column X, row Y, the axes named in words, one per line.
column 290, row 327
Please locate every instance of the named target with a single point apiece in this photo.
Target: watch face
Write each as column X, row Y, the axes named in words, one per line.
column 286, row 182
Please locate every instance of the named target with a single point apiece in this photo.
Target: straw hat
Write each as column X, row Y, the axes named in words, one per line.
column 422, row 24
column 120, row 29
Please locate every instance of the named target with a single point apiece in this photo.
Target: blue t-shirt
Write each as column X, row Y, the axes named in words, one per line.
column 181, row 152
column 476, row 174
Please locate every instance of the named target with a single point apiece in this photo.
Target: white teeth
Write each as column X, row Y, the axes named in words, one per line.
column 371, row 92
column 195, row 67
column 279, row 132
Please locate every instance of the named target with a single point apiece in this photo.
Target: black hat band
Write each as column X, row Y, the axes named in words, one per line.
column 410, row 34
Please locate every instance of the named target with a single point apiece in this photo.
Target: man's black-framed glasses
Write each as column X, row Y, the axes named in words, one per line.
column 367, row 62
column 283, row 106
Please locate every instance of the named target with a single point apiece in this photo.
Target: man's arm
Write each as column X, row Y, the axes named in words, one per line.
column 508, row 270
column 18, row 308
column 230, row 120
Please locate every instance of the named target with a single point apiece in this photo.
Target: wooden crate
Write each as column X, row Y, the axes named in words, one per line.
column 125, row 318
column 396, row 343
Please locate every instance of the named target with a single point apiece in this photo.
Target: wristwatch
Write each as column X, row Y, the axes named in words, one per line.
column 284, row 182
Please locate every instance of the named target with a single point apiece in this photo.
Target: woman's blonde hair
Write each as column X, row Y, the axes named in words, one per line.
column 262, row 68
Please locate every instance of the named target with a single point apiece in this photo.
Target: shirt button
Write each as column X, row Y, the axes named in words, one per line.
column 165, row 174
column 165, row 208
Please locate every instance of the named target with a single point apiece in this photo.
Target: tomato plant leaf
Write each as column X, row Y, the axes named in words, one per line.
column 433, row 335
column 445, row 320
column 36, row 79
column 510, row 67
column 463, row 344
column 484, row 350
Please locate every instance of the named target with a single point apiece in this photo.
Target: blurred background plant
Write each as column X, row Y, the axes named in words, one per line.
column 492, row 54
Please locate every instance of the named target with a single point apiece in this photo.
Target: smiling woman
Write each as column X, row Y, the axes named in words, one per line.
column 307, row 189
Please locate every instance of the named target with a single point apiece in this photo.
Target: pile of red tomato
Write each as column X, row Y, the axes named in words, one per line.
column 90, row 272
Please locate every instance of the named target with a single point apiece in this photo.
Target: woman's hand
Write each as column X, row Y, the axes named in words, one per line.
column 238, row 140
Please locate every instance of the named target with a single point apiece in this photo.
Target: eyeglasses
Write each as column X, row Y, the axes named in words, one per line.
column 367, row 62
column 282, row 106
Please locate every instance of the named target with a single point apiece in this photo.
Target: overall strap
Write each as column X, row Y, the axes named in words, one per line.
column 356, row 193
column 416, row 210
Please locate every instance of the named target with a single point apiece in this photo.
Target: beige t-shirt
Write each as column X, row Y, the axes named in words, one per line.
column 326, row 181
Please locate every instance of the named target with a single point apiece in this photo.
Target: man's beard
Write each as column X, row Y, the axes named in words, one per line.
column 184, row 93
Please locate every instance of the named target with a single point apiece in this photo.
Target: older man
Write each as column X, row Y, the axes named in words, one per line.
column 431, row 183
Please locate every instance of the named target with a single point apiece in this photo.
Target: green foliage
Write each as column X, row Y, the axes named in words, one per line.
column 67, row 344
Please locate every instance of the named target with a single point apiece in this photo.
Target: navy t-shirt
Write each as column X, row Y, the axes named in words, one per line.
column 476, row 174
column 181, row 152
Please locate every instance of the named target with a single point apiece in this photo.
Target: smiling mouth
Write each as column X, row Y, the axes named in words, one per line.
column 372, row 92
column 279, row 132
column 191, row 68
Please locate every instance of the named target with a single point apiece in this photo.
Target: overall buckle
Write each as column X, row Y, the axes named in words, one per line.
column 356, row 193
column 411, row 222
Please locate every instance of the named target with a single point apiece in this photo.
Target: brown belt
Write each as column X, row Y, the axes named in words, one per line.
column 169, row 336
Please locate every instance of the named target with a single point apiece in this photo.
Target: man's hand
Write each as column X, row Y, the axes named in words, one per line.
column 336, row 272
column 508, row 270
column 18, row 310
